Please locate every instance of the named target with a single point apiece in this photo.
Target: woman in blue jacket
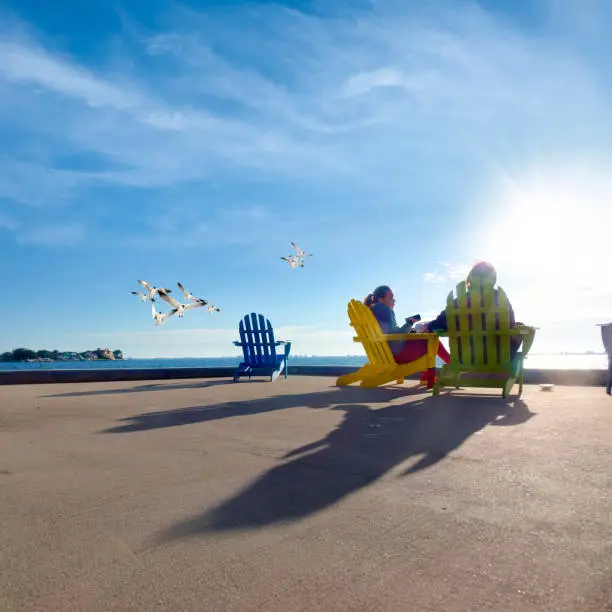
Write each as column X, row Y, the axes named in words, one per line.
column 381, row 302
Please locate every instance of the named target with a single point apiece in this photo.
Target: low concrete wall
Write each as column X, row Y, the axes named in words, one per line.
column 28, row 377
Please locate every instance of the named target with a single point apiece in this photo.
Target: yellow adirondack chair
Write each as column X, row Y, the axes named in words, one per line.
column 382, row 367
column 479, row 335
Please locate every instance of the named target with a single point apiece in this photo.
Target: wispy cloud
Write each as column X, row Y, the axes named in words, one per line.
column 447, row 272
column 306, row 97
column 25, row 62
column 433, row 277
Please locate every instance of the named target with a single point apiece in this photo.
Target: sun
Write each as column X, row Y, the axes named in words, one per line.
column 550, row 229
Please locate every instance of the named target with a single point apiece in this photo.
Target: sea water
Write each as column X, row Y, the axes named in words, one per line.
column 535, row 361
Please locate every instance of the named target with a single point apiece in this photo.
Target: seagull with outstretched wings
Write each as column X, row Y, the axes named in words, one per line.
column 143, row 297
column 300, row 253
column 189, row 297
column 293, row 261
column 161, row 317
column 152, row 291
column 176, row 305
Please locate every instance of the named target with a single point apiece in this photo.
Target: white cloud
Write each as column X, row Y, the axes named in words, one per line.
column 27, row 63
column 457, row 271
column 170, row 126
column 448, row 272
column 354, row 98
column 363, row 83
column 433, row 277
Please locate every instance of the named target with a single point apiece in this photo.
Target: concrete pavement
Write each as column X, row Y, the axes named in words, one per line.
column 296, row 495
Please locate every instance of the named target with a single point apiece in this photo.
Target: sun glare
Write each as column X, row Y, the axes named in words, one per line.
column 550, row 231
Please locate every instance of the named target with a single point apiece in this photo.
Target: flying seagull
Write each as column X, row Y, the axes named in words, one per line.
column 212, row 309
column 293, row 261
column 143, row 297
column 177, row 306
column 160, row 317
column 188, row 296
column 152, row 291
column 300, row 252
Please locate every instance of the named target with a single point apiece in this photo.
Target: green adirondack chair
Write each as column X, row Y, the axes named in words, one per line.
column 479, row 335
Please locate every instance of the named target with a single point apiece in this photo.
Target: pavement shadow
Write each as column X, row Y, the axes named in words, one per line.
column 213, row 412
column 150, row 387
column 364, row 447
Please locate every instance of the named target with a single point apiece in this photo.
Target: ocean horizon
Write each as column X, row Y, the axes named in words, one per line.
column 582, row 361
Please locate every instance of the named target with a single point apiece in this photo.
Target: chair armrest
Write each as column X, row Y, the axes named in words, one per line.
column 526, row 331
column 529, row 333
column 237, row 343
column 512, row 332
column 428, row 336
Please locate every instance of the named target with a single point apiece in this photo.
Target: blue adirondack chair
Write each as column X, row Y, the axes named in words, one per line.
column 259, row 349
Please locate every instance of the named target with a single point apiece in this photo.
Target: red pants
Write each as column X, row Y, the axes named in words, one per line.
column 413, row 349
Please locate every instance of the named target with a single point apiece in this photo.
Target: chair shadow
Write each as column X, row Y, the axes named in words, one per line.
column 366, row 445
column 150, row 387
column 200, row 414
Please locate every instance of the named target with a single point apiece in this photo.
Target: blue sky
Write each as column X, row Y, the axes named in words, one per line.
column 397, row 141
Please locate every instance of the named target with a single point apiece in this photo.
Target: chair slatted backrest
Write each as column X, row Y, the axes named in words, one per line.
column 369, row 333
column 257, row 338
column 478, row 323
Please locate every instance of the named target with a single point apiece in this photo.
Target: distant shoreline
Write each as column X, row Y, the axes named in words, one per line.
column 49, row 360
column 26, row 355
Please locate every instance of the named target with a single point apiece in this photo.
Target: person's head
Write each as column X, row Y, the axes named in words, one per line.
column 484, row 271
column 382, row 294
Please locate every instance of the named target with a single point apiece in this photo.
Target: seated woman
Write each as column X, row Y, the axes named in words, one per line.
column 381, row 302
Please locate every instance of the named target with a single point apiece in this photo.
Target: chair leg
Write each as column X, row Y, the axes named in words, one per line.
column 428, row 377
column 364, row 372
column 508, row 387
column 347, row 379
column 376, row 380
